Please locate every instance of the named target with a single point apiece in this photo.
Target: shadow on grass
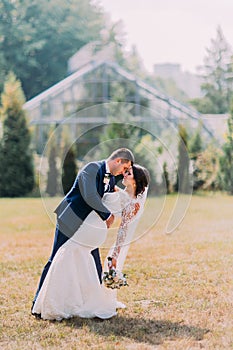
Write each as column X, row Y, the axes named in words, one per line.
column 149, row 331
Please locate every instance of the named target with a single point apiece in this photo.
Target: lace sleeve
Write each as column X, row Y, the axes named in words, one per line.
column 128, row 213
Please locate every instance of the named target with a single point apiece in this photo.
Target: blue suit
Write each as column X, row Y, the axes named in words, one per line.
column 85, row 195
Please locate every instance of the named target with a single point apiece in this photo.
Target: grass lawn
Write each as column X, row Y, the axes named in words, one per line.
column 181, row 285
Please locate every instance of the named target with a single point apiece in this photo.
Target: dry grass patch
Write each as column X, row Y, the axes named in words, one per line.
column 180, row 294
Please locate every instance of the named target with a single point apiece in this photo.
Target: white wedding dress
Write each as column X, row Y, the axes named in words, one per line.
column 71, row 287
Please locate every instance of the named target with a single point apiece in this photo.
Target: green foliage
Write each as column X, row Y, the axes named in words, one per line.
column 226, row 160
column 112, row 36
column 217, row 69
column 183, row 177
column 206, row 169
column 134, row 63
column 52, row 176
column 146, row 152
column 195, row 148
column 38, row 38
column 204, row 105
column 16, row 160
column 166, row 177
column 127, row 134
column 69, row 170
column 168, row 86
column 112, row 89
column 195, row 145
column 122, row 133
column 117, row 135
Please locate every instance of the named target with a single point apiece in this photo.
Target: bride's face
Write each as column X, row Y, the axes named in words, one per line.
column 128, row 178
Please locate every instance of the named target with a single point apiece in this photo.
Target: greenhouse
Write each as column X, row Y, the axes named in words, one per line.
column 84, row 99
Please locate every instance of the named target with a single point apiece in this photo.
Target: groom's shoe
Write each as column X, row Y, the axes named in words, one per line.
column 34, row 313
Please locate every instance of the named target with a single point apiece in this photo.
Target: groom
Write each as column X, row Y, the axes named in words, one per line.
column 86, row 195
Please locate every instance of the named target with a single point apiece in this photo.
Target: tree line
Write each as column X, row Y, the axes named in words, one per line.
column 212, row 167
column 37, row 38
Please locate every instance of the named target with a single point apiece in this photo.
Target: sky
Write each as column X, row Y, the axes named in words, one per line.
column 172, row 31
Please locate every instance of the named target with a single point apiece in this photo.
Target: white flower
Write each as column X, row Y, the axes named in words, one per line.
column 106, row 179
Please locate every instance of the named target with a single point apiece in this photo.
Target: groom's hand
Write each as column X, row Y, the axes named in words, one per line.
column 114, row 262
column 110, row 220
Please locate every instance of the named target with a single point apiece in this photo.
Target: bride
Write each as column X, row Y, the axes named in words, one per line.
column 71, row 287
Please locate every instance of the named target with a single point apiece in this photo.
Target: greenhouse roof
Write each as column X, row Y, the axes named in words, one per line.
column 66, row 83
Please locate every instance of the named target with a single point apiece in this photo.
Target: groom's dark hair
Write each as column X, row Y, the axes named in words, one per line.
column 124, row 153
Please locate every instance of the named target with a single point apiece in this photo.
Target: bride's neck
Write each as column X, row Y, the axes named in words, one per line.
column 131, row 191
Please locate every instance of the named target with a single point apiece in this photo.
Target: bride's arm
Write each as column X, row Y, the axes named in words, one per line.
column 128, row 214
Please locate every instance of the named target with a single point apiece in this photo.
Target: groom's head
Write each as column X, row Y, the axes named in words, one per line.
column 120, row 161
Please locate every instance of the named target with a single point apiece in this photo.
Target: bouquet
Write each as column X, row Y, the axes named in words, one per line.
column 114, row 278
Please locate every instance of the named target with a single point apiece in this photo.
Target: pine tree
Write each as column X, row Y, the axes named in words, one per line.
column 226, row 161
column 183, row 177
column 16, row 158
column 166, row 177
column 69, row 170
column 215, row 73
column 52, row 179
column 195, row 149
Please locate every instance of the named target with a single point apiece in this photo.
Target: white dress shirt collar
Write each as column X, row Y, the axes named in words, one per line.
column 107, row 168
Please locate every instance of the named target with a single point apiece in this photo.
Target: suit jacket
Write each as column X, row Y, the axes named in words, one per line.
column 85, row 195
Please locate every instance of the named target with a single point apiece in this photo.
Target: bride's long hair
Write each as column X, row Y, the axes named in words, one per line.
column 141, row 177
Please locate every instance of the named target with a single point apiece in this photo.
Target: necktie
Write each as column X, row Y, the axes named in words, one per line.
column 111, row 183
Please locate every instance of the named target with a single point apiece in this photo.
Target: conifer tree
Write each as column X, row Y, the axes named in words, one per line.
column 183, row 177
column 52, row 179
column 16, row 158
column 166, row 177
column 69, row 170
column 195, row 149
column 226, row 161
column 215, row 73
